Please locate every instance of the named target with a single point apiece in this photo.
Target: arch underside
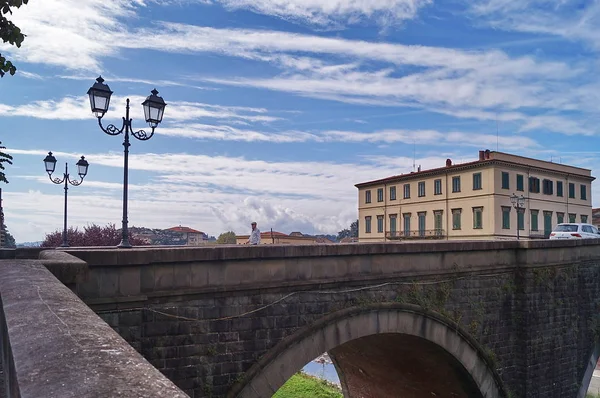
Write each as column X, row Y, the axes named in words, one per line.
column 414, row 353
column 400, row 365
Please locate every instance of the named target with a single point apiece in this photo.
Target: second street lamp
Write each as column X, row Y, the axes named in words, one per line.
column 154, row 108
column 82, row 169
column 518, row 203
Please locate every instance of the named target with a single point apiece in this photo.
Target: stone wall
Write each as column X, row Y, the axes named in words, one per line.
column 205, row 317
column 53, row 345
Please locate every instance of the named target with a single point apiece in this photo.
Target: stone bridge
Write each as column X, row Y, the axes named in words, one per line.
column 445, row 319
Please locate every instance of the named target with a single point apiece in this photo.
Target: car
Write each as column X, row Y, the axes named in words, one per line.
column 575, row 231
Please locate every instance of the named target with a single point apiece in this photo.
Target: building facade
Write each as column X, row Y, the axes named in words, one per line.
column 473, row 200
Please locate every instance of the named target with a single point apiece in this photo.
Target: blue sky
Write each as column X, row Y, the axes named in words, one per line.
column 276, row 108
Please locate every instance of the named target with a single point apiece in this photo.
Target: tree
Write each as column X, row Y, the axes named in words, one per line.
column 9, row 240
column 92, row 235
column 4, row 158
column 227, row 238
column 351, row 232
column 354, row 229
column 9, row 32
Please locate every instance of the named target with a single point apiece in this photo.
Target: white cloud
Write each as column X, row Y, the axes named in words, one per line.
column 333, row 13
column 569, row 19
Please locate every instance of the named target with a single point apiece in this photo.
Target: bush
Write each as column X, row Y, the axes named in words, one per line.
column 92, row 235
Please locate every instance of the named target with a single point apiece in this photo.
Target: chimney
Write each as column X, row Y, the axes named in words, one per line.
column 481, row 155
column 419, row 169
column 487, row 153
column 448, row 162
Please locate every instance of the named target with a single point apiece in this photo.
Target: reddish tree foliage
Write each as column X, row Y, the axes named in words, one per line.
column 92, row 235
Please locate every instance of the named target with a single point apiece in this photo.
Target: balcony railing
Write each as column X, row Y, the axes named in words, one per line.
column 418, row 234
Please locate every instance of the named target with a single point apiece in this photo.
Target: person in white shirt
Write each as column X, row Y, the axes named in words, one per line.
column 254, row 238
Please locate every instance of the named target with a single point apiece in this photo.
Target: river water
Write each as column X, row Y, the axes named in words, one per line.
column 323, row 368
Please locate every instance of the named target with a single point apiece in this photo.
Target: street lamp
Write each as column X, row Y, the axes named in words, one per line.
column 154, row 108
column 82, row 169
column 518, row 203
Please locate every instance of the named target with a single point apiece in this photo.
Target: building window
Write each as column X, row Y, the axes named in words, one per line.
column 368, row 196
column 476, row 181
column 380, row 194
column 456, row 184
column 421, row 223
column 421, row 188
column 559, row 188
column 505, row 180
column 583, row 189
column 392, row 193
column 534, row 220
column 437, row 221
column 560, row 217
column 583, row 218
column 548, row 187
column 534, row 185
column 406, row 191
column 477, row 217
column 571, row 191
column 505, row 217
column 456, row 218
column 379, row 224
column 521, row 220
column 437, row 187
column 520, row 183
column 368, row 224
column 393, row 226
column 572, row 217
column 406, row 217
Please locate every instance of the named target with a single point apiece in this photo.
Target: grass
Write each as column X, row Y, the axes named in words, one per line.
column 592, row 396
column 302, row 385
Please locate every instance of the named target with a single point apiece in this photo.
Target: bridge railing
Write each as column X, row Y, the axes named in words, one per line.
column 416, row 234
column 53, row 345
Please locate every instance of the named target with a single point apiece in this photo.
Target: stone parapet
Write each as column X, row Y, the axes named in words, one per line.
column 53, row 345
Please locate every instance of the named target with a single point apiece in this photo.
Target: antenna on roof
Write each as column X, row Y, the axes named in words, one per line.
column 497, row 139
column 414, row 154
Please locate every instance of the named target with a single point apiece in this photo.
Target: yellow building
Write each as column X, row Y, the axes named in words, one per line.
column 473, row 200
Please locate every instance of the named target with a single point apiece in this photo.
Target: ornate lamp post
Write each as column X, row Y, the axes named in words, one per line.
column 82, row 169
column 154, row 107
column 518, row 203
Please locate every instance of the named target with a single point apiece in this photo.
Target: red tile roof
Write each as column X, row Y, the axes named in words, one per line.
column 184, row 230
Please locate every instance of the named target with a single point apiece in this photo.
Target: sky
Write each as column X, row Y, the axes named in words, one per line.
column 276, row 108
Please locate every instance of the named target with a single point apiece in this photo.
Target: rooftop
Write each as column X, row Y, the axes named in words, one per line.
column 181, row 229
column 486, row 157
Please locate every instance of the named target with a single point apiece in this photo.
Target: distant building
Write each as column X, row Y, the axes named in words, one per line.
column 190, row 236
column 596, row 217
column 279, row 238
column 473, row 200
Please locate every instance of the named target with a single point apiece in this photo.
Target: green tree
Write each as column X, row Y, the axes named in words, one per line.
column 9, row 32
column 351, row 232
column 4, row 158
column 9, row 240
column 226, row 238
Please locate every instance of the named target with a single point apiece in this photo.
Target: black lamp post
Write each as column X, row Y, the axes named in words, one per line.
column 518, row 203
column 154, row 107
column 82, row 169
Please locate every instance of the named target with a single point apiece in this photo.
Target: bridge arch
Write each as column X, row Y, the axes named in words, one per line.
column 407, row 322
column 589, row 371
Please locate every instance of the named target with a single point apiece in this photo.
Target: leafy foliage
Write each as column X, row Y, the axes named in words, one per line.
column 9, row 240
column 351, row 232
column 226, row 238
column 92, row 235
column 9, row 33
column 4, row 158
column 302, row 385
